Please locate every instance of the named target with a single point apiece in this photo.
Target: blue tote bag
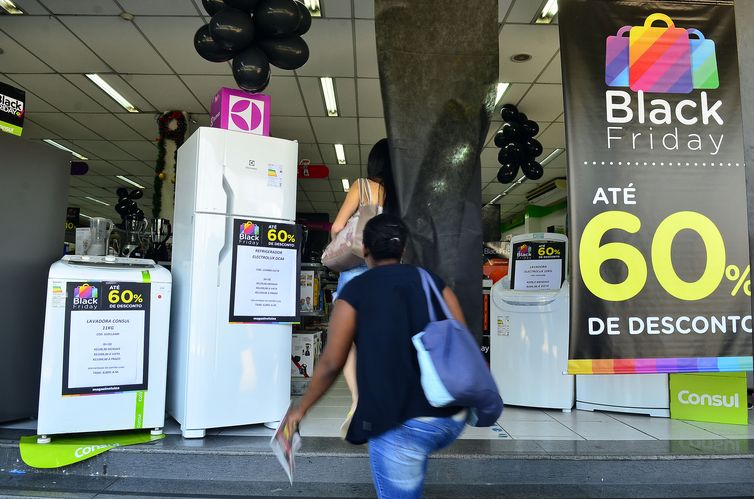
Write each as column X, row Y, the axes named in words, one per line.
column 453, row 370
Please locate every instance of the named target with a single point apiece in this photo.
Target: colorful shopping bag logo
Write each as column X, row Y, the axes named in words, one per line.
column 660, row 59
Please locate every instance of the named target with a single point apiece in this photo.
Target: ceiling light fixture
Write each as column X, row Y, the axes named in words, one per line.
column 548, row 12
column 96, row 200
column 314, row 8
column 554, row 154
column 60, row 146
column 84, row 215
column 102, row 84
column 521, row 57
column 11, row 8
column 501, row 89
column 340, row 153
column 328, row 91
column 126, row 179
column 346, row 184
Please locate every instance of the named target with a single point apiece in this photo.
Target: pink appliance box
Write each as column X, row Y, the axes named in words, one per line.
column 235, row 109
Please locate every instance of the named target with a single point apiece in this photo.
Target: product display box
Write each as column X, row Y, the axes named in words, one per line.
column 237, row 110
column 711, row 397
column 305, row 352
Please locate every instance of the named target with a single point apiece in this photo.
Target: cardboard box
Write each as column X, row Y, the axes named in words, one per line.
column 234, row 109
column 711, row 397
column 305, row 351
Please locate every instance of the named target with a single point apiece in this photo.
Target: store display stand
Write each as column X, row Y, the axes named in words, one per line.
column 631, row 393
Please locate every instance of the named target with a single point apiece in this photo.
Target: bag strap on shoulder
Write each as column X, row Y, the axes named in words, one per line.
column 429, row 284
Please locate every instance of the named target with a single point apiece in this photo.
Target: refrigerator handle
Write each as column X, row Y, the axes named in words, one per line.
column 228, row 227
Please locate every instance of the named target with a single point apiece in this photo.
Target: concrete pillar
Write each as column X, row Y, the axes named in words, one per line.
column 438, row 65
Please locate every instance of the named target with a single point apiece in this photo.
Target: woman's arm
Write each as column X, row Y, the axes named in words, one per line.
column 349, row 207
column 455, row 308
column 339, row 340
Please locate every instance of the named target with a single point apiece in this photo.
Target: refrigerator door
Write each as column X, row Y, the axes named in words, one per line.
column 242, row 174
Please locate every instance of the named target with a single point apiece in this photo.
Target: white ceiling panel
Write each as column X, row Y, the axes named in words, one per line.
column 285, row 97
column 33, row 131
column 16, row 59
column 552, row 74
column 107, row 125
column 206, row 86
column 371, row 130
column 118, row 43
column 366, row 49
column 553, row 136
column 351, row 172
column 145, row 124
column 176, row 44
column 489, row 157
column 523, row 11
column 336, row 8
column 340, row 196
column 540, row 41
column 326, row 196
column 489, row 174
column 335, row 57
column 100, row 167
column 364, row 9
column 63, row 125
column 52, row 42
column 33, row 102
column 313, row 185
column 83, row 7
column 292, row 128
column 140, row 149
column 543, row 102
column 315, row 103
column 502, row 9
column 32, row 7
column 345, row 92
column 331, row 208
column 138, row 168
column 59, row 92
column 159, row 7
column 512, row 95
column 370, row 97
column 103, row 149
column 165, row 93
column 335, row 130
column 310, row 152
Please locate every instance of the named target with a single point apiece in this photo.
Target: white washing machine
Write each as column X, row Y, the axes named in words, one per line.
column 632, row 393
column 104, row 359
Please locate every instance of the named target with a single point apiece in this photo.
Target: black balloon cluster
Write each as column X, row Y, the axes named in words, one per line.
column 518, row 147
column 126, row 206
column 255, row 34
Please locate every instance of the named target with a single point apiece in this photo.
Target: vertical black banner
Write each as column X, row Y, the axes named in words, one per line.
column 12, row 109
column 656, row 187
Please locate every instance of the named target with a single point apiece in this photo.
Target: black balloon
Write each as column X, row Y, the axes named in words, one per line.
column 508, row 112
column 121, row 209
column 306, row 19
column 232, row 29
column 521, row 117
column 79, row 168
column 531, row 128
column 122, row 192
column 251, row 69
column 533, row 170
column 507, row 173
column 213, row 6
column 139, row 214
column 207, row 47
column 278, row 18
column 136, row 194
column 513, row 150
column 533, row 147
column 512, row 132
column 247, row 5
column 500, row 139
column 286, row 53
column 504, row 157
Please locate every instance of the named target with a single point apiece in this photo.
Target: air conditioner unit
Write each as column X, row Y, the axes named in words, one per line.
column 548, row 193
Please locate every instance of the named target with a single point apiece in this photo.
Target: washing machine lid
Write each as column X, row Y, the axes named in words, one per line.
column 109, row 262
column 107, row 268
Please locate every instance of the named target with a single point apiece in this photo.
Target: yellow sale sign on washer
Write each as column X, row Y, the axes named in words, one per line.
column 713, row 397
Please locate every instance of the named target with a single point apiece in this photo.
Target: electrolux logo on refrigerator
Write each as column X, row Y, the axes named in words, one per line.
column 245, row 114
column 661, row 59
column 687, row 397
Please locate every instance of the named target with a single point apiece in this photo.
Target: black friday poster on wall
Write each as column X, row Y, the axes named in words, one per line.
column 657, row 200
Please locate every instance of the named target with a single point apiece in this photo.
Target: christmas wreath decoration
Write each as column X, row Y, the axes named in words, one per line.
column 176, row 134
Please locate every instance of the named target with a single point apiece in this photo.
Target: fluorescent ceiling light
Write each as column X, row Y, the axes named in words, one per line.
column 10, row 7
column 84, row 215
column 548, row 12
column 97, row 80
column 328, row 91
column 554, row 154
column 313, row 6
column 96, row 201
column 501, row 88
column 60, row 146
column 340, row 153
column 346, row 184
column 126, row 179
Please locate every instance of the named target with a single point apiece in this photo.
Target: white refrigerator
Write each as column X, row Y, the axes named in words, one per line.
column 224, row 371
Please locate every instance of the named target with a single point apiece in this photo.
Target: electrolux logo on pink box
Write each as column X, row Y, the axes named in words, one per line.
column 235, row 109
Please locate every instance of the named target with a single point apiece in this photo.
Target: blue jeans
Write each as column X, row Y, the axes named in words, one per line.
column 399, row 456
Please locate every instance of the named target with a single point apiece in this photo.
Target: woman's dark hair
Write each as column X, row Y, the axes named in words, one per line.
column 385, row 237
column 380, row 169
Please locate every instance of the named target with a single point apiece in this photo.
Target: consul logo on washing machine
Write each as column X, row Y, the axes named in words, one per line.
column 660, row 59
column 85, row 296
column 245, row 114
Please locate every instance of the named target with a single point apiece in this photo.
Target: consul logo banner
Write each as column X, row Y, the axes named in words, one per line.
column 657, row 198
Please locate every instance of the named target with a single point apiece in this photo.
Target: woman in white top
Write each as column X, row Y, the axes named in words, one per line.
column 382, row 193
